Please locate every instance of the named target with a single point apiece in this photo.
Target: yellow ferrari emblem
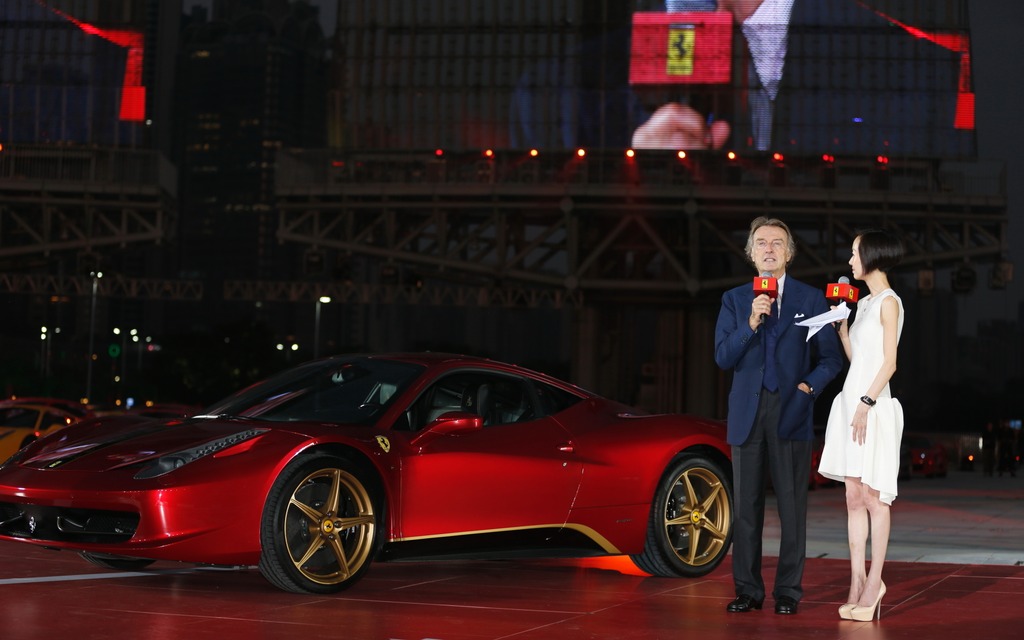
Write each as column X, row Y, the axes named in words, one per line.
column 384, row 444
column 681, row 41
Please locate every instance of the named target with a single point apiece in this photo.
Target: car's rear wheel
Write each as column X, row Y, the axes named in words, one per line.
column 320, row 526
column 119, row 563
column 690, row 526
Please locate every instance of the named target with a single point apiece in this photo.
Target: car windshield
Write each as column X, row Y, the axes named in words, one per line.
column 343, row 390
column 18, row 417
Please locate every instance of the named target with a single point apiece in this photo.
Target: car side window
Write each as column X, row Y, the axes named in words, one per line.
column 553, row 400
column 509, row 402
column 498, row 398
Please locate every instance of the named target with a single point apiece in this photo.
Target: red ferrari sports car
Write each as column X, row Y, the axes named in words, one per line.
column 324, row 468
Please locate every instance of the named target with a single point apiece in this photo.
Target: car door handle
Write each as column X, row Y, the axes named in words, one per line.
column 566, row 447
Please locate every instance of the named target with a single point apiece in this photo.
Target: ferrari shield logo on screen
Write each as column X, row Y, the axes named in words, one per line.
column 679, row 61
column 681, row 48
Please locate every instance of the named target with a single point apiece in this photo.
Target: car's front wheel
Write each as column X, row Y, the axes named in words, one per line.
column 690, row 525
column 320, row 526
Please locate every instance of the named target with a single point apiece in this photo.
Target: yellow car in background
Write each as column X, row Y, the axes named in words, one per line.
column 20, row 424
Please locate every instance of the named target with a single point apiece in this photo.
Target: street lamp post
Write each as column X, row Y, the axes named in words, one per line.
column 122, row 373
column 316, row 325
column 96, row 275
column 42, row 351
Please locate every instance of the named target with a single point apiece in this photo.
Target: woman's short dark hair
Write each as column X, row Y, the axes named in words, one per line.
column 879, row 250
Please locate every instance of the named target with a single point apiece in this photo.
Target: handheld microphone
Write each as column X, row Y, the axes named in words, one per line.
column 766, row 283
column 842, row 290
column 690, row 43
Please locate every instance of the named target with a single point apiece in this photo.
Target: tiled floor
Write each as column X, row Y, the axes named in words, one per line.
column 45, row 594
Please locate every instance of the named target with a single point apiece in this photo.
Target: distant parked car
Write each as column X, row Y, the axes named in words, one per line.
column 73, row 407
column 21, row 424
column 928, row 458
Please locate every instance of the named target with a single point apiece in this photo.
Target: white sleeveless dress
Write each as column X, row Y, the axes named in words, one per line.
column 877, row 461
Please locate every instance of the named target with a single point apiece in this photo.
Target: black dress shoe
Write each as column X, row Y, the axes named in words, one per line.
column 785, row 606
column 744, row 603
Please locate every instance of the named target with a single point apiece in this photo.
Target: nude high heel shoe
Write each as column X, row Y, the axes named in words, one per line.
column 844, row 610
column 865, row 614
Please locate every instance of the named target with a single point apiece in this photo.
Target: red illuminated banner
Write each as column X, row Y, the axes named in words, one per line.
column 959, row 43
column 681, row 48
column 133, row 92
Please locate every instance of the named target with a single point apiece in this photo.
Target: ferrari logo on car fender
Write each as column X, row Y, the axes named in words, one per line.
column 384, row 444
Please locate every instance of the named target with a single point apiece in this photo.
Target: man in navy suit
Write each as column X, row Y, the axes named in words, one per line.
column 777, row 372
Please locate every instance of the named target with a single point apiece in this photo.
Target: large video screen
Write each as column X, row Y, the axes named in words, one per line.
column 797, row 76
column 865, row 77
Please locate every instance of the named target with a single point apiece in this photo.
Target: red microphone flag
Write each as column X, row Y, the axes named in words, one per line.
column 842, row 291
column 766, row 284
column 681, row 48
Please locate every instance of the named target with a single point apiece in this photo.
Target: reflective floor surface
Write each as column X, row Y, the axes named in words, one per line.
column 47, row 594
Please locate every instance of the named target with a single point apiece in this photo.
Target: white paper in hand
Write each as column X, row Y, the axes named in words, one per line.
column 841, row 312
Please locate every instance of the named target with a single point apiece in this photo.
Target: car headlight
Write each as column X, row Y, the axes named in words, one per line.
column 171, row 461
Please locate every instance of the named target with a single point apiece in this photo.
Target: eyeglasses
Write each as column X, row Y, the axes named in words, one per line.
column 777, row 245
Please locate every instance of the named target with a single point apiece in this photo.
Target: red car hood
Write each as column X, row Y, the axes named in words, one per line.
column 105, row 444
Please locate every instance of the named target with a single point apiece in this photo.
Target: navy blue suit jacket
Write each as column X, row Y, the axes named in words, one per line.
column 815, row 362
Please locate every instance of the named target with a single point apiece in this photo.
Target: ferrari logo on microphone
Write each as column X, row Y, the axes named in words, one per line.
column 690, row 47
column 679, row 61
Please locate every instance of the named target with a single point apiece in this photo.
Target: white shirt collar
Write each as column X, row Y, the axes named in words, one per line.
column 766, row 33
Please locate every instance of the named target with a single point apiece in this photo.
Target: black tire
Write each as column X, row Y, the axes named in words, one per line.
column 689, row 529
column 118, row 563
column 320, row 526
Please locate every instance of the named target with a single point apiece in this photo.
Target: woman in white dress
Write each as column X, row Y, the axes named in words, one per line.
column 865, row 425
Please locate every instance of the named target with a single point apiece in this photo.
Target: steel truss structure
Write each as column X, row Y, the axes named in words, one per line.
column 509, row 229
column 83, row 202
column 604, row 226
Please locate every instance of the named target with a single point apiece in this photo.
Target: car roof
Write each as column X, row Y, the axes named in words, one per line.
column 69, row 406
column 434, row 359
column 37, row 407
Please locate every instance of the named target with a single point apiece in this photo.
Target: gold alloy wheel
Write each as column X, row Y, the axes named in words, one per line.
column 697, row 516
column 329, row 526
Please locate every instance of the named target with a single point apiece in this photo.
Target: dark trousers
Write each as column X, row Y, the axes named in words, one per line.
column 789, row 462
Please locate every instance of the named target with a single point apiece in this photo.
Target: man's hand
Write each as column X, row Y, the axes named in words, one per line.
column 678, row 126
column 761, row 306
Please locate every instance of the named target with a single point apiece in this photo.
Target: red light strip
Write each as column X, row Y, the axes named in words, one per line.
column 133, row 93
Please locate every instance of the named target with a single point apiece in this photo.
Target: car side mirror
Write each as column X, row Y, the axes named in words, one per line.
column 455, row 422
column 450, row 423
